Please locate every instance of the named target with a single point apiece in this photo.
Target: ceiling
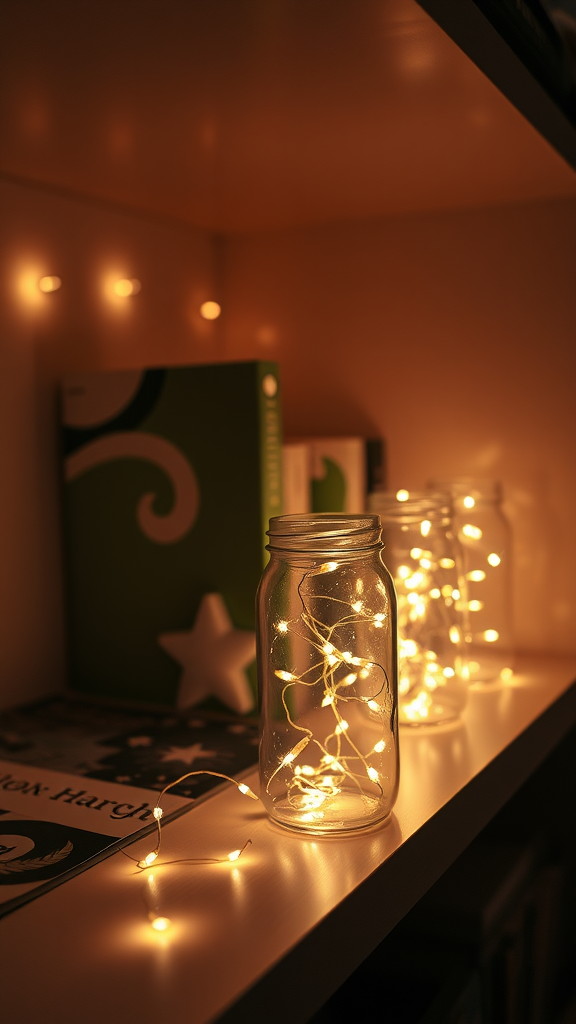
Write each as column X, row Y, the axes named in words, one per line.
column 240, row 115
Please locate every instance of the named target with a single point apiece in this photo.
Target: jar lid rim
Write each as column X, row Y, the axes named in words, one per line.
column 324, row 531
column 323, row 524
column 417, row 504
column 480, row 488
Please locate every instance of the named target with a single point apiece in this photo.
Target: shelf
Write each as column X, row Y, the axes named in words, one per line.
column 286, row 924
column 241, row 116
column 468, row 26
column 244, row 116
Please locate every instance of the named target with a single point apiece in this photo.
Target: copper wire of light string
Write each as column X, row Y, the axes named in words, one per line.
column 315, row 628
column 149, row 860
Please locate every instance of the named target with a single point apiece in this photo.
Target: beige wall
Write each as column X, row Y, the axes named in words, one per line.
column 452, row 335
column 81, row 326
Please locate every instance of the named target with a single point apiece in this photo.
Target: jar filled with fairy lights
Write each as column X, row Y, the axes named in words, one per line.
column 485, row 539
column 327, row 661
column 423, row 557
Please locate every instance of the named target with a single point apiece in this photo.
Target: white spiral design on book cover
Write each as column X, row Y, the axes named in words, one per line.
column 165, row 529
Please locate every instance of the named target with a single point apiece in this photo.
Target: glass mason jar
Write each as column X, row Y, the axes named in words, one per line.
column 423, row 557
column 485, row 538
column 326, row 643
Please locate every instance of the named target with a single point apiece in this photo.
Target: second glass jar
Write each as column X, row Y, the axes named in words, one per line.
column 422, row 554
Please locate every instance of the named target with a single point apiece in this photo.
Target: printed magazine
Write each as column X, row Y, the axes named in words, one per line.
column 79, row 781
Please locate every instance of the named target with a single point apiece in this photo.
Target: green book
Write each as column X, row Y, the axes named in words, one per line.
column 170, row 478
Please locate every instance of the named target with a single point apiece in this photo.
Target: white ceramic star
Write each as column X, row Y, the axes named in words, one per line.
column 213, row 656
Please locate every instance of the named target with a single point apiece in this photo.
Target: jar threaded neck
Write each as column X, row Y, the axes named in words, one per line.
column 328, row 531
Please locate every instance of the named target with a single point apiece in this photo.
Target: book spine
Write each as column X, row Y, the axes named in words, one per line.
column 296, row 490
column 268, row 383
column 338, row 466
column 376, row 476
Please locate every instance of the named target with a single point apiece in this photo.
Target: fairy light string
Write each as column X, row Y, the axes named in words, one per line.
column 424, row 673
column 346, row 753
column 430, row 592
column 150, row 859
column 472, row 536
column 484, row 538
column 340, row 676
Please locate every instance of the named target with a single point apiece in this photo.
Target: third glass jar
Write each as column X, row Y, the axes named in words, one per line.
column 485, row 538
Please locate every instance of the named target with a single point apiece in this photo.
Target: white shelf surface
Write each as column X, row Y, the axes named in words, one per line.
column 279, row 930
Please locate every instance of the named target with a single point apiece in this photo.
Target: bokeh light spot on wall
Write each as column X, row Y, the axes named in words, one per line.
column 210, row 310
column 27, row 280
column 127, row 286
column 50, row 283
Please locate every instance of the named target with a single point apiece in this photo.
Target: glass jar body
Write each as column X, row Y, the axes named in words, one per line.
column 326, row 642
column 485, row 538
column 425, row 561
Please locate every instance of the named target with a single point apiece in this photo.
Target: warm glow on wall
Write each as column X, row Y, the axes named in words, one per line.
column 210, row 310
column 28, row 285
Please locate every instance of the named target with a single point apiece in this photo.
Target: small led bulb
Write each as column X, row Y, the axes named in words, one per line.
column 247, row 791
column 147, row 861
column 293, row 754
column 474, row 532
column 160, row 924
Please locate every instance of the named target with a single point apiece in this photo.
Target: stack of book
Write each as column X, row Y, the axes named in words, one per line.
column 331, row 474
